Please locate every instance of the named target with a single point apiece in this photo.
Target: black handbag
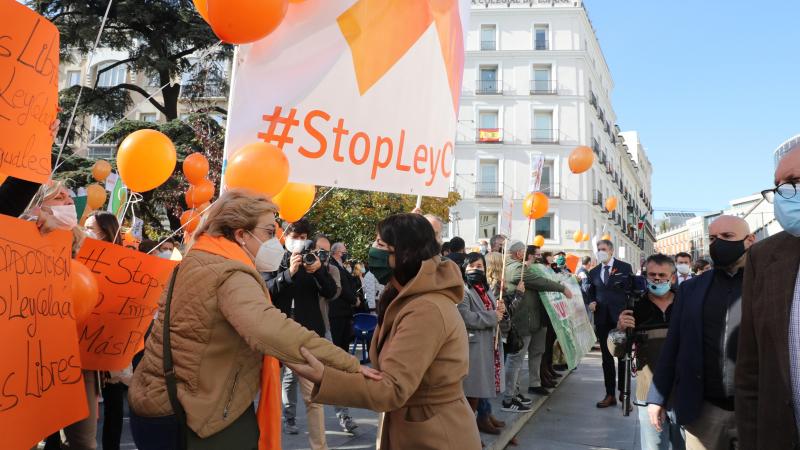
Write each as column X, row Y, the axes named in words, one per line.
column 242, row 433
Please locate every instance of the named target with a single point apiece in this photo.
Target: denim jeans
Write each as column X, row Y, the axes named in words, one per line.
column 670, row 437
column 484, row 408
column 513, row 367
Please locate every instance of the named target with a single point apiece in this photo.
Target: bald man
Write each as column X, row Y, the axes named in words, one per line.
column 768, row 363
column 695, row 372
column 436, row 223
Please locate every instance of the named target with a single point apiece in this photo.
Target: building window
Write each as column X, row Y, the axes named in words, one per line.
column 112, row 77
column 488, row 37
column 540, row 41
column 73, row 78
column 544, row 226
column 487, row 226
column 148, row 117
column 204, row 79
column 542, row 82
column 488, row 179
column 488, row 82
column 548, row 184
column 97, row 127
column 488, row 128
column 543, row 131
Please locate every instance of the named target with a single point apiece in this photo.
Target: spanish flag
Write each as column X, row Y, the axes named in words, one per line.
column 489, row 135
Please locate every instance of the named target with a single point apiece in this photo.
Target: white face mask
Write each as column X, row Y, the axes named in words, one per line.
column 166, row 254
column 603, row 256
column 269, row 256
column 683, row 269
column 294, row 245
column 90, row 233
column 66, row 216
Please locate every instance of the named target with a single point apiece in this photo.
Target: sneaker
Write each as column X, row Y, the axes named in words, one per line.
column 523, row 400
column 539, row 390
column 290, row 427
column 347, row 424
column 515, row 406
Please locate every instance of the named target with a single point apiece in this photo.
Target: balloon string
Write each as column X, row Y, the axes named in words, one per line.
column 133, row 198
column 80, row 89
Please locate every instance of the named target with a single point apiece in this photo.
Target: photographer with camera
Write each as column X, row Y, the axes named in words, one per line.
column 296, row 287
column 646, row 325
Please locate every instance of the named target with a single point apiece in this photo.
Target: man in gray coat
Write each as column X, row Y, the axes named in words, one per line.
column 526, row 319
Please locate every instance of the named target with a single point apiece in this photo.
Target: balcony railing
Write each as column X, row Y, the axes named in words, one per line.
column 484, row 87
column 488, row 45
column 544, row 136
column 543, row 87
column 487, row 189
column 489, row 135
column 552, row 190
column 597, row 199
column 596, row 147
column 541, row 44
column 592, row 99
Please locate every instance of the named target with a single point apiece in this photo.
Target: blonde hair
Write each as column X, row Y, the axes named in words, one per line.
column 46, row 192
column 494, row 267
column 358, row 270
column 234, row 209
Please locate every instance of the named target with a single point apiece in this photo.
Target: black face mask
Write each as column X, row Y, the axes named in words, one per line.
column 476, row 277
column 726, row 253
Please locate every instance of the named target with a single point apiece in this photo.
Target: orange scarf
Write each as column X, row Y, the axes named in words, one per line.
column 269, row 405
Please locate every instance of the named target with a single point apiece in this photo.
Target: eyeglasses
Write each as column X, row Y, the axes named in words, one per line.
column 786, row 190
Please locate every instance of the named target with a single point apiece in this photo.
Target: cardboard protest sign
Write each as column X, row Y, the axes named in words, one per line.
column 28, row 91
column 368, row 94
column 130, row 285
column 41, row 386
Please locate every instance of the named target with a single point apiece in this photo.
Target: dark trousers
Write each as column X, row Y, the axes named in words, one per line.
column 342, row 332
column 163, row 433
column 550, row 342
column 113, row 412
column 609, row 370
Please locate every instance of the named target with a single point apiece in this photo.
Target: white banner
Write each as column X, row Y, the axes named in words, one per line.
column 537, row 165
column 507, row 216
column 359, row 94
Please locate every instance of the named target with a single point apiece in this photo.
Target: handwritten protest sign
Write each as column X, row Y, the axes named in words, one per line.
column 28, row 91
column 570, row 320
column 369, row 93
column 130, row 284
column 41, row 387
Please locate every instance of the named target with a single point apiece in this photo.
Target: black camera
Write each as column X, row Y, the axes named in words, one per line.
column 308, row 253
column 634, row 286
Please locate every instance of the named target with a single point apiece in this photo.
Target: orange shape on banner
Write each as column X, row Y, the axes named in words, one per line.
column 380, row 32
column 130, row 285
column 29, row 86
column 41, row 385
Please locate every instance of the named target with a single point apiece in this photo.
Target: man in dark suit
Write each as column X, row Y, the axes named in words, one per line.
column 698, row 360
column 767, row 366
column 607, row 301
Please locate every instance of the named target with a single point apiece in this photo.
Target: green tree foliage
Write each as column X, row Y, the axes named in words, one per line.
column 351, row 216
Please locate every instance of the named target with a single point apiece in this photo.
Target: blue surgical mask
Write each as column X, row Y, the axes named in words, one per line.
column 659, row 289
column 787, row 211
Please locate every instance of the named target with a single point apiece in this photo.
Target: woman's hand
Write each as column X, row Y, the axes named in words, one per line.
column 314, row 369
column 371, row 374
column 501, row 310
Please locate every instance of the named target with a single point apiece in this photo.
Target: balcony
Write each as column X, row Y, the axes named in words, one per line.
column 488, row 45
column 543, row 87
column 541, row 44
column 597, row 199
column 488, row 87
column 551, row 190
column 489, row 136
column 544, row 136
column 596, row 147
column 592, row 99
column 487, row 189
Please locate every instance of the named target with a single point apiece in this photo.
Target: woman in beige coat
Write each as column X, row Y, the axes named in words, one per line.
column 420, row 346
column 220, row 325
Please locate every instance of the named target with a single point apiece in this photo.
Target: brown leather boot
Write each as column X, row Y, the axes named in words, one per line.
column 485, row 426
column 496, row 422
column 607, row 402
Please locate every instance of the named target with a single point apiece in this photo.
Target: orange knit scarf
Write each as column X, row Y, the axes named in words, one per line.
column 269, row 405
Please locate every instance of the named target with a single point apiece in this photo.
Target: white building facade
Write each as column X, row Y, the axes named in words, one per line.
column 536, row 85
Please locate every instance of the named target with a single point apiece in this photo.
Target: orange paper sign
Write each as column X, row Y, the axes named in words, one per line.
column 130, row 284
column 41, row 387
column 28, row 91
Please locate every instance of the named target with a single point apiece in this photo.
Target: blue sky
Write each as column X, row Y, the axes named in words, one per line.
column 711, row 86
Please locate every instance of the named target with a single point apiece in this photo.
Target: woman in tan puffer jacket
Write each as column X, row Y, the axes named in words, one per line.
column 221, row 324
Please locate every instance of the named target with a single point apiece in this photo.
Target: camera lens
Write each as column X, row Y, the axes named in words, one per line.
column 309, row 258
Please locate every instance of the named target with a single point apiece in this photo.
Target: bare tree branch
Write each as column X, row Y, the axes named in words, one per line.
column 144, row 93
column 111, row 66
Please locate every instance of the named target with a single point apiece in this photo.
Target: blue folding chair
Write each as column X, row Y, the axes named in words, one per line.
column 363, row 325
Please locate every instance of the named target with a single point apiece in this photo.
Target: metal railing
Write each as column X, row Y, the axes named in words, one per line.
column 487, row 189
column 541, row 44
column 596, row 147
column 544, row 136
column 488, row 45
column 543, row 87
column 484, row 87
column 597, row 199
column 552, row 190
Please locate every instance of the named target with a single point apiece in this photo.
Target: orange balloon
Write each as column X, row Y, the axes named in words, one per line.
column 95, row 196
column 260, row 167
column 611, row 204
column 279, row 233
column 203, row 207
column 101, row 170
column 535, row 205
column 195, row 168
column 606, row 237
column 296, row 1
column 578, row 236
column 202, row 8
column 294, row 200
column 245, row 21
column 146, row 159
column 85, row 292
column 581, row 159
column 200, row 193
column 190, row 219
column 538, row 240
column 586, row 237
